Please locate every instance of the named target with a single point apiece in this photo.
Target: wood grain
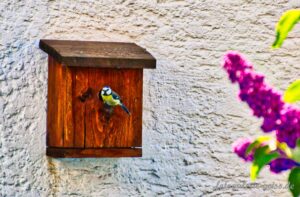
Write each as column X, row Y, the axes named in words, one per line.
column 98, row 54
column 121, row 130
column 79, row 106
column 68, row 106
column 77, row 122
column 78, row 125
column 55, row 112
column 93, row 152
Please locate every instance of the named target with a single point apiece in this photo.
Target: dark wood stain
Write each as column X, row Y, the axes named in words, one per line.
column 98, row 54
column 93, row 152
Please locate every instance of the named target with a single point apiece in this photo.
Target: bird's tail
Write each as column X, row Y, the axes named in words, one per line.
column 125, row 108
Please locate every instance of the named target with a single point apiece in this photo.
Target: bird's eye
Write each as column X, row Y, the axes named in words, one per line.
column 108, row 92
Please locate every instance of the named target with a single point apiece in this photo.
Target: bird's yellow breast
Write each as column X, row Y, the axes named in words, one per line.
column 108, row 99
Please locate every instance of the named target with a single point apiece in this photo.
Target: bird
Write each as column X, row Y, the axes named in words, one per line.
column 111, row 98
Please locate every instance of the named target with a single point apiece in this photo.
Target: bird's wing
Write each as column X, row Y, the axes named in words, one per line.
column 115, row 96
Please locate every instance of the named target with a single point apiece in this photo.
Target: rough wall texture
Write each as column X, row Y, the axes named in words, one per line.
column 191, row 115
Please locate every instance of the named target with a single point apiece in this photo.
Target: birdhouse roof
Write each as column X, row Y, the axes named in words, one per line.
column 98, row 54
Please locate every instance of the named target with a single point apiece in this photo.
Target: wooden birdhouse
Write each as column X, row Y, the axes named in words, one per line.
column 77, row 123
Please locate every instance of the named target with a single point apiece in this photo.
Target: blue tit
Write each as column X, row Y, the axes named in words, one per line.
column 111, row 98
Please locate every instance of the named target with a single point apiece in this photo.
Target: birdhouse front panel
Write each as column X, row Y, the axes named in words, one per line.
column 78, row 122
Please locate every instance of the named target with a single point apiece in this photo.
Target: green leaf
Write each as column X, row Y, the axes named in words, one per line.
column 285, row 25
column 294, row 182
column 262, row 157
column 296, row 152
column 292, row 94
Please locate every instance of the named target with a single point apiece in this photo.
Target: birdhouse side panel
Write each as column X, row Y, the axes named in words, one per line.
column 56, row 98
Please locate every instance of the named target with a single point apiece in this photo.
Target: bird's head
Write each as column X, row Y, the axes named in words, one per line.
column 106, row 90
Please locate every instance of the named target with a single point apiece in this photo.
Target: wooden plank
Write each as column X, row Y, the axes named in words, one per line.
column 137, row 105
column 55, row 112
column 95, row 134
column 93, row 152
column 121, row 130
column 80, row 86
column 98, row 54
column 69, row 118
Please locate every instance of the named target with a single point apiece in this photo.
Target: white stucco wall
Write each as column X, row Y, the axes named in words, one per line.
column 191, row 115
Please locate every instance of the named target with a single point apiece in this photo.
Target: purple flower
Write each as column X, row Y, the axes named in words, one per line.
column 234, row 63
column 240, row 146
column 289, row 128
column 264, row 101
column 282, row 164
column 269, row 124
